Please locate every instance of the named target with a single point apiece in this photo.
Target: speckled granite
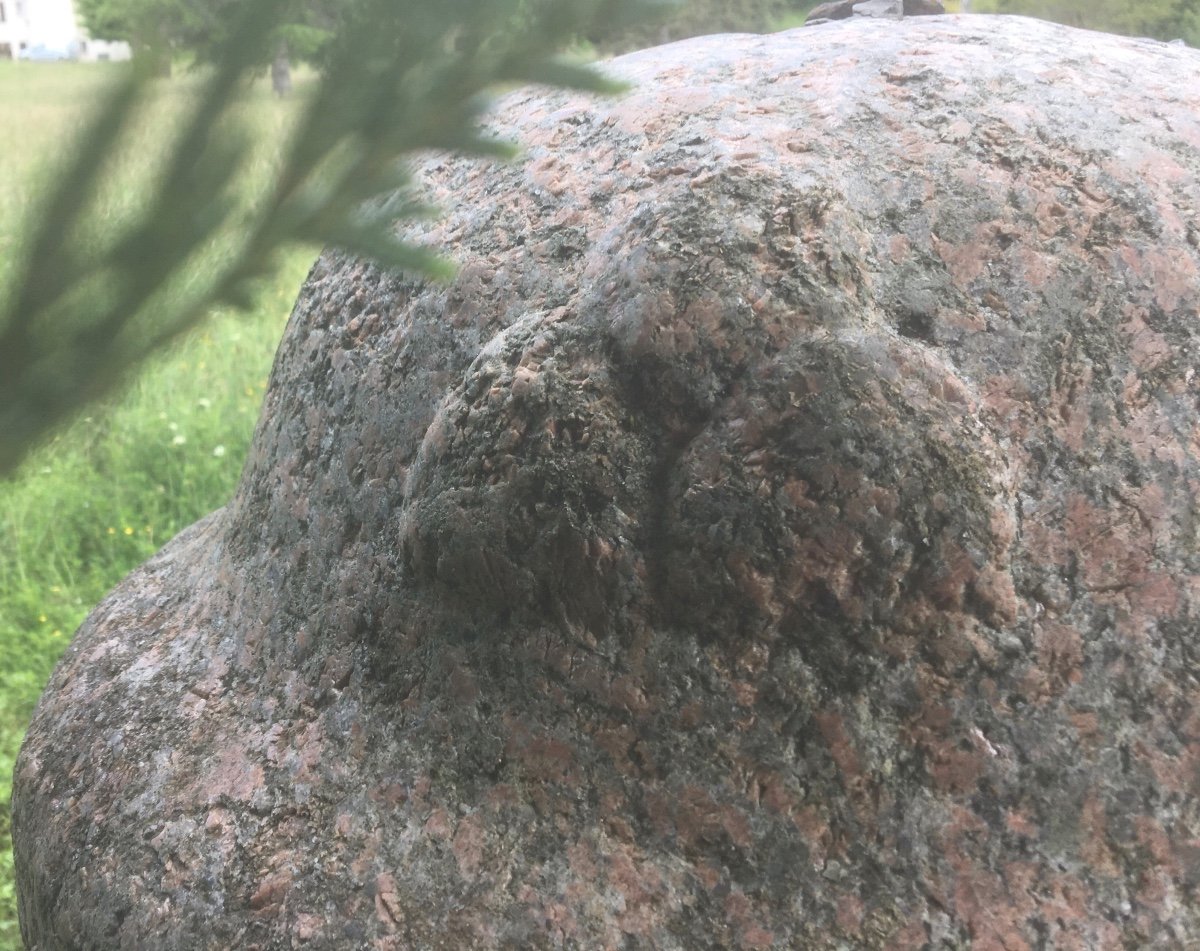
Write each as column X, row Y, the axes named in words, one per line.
column 782, row 534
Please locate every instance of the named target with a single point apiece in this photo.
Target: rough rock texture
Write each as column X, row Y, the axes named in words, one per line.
column 781, row 534
column 841, row 9
column 878, row 8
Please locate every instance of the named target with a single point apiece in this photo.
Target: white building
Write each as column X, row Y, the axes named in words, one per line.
column 47, row 29
column 13, row 28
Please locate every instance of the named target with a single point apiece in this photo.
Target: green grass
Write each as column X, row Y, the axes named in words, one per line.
column 107, row 492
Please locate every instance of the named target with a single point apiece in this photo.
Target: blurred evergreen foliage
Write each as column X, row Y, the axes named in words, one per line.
column 89, row 298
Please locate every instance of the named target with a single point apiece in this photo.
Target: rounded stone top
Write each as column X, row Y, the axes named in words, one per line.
column 781, row 533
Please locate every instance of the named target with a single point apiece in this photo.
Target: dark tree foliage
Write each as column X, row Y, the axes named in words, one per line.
column 203, row 27
column 700, row 17
column 144, row 24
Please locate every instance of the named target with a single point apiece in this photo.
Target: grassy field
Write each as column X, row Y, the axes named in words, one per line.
column 110, row 490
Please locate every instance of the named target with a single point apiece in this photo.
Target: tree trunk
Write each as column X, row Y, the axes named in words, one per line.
column 281, row 73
